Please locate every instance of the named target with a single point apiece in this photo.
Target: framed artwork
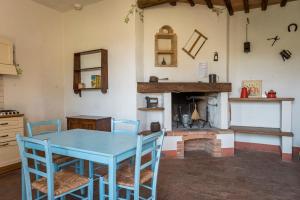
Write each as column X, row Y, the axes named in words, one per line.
column 254, row 86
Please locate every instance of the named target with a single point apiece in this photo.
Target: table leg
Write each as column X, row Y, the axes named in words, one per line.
column 112, row 183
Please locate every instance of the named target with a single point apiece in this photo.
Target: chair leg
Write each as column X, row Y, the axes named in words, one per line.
column 128, row 194
column 101, row 188
column 90, row 190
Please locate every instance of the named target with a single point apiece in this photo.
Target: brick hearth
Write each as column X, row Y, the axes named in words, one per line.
column 197, row 140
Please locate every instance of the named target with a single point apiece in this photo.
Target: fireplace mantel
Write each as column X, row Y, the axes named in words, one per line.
column 165, row 87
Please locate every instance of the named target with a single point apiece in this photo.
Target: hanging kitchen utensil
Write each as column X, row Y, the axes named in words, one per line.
column 285, row 54
column 247, row 45
column 195, row 115
column 293, row 25
column 275, row 39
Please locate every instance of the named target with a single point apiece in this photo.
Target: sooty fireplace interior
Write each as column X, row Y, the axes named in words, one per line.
column 193, row 110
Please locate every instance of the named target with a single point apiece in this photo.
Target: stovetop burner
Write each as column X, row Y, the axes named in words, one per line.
column 8, row 112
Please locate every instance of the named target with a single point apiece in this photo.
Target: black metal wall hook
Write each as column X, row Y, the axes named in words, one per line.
column 294, row 25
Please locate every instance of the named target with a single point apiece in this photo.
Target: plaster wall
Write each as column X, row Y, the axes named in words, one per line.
column 101, row 25
column 37, row 33
column 264, row 63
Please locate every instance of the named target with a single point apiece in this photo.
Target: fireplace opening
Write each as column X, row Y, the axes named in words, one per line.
column 193, row 110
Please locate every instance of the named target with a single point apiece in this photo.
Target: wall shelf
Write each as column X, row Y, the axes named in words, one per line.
column 260, row 131
column 88, row 69
column 152, row 109
column 261, row 99
column 103, row 70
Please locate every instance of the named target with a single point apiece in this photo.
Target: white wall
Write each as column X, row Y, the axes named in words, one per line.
column 37, row 34
column 184, row 19
column 101, row 25
column 265, row 63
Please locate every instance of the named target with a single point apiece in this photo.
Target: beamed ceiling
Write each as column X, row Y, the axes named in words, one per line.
column 231, row 5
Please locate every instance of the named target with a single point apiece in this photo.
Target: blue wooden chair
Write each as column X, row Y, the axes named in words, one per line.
column 118, row 127
column 143, row 174
column 58, row 160
column 125, row 126
column 52, row 185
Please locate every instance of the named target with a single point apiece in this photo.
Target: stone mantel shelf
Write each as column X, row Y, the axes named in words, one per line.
column 165, row 87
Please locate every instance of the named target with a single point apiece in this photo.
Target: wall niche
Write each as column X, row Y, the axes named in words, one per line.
column 166, row 47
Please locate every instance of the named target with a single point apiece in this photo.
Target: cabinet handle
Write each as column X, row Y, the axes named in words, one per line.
column 3, row 136
column 3, row 124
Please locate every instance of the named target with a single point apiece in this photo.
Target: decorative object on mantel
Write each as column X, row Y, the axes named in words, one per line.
column 203, row 70
column 155, row 79
column 216, row 56
column 134, row 9
column 275, row 39
column 254, row 87
column 213, row 78
column 163, row 62
column 245, row 92
column 247, row 44
column 194, row 44
column 166, row 47
column 152, row 102
column 155, row 127
column 285, row 54
column 271, row 94
column 294, row 25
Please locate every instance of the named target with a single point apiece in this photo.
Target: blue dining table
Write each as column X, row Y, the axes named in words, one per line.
column 95, row 146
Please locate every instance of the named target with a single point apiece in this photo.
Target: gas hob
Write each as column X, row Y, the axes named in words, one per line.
column 8, row 112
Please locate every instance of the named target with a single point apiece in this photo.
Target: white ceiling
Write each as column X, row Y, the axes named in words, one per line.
column 64, row 5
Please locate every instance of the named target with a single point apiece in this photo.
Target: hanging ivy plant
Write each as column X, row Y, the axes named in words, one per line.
column 134, row 9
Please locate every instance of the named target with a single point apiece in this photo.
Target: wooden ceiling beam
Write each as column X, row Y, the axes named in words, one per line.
column 209, row 4
column 191, row 2
column 246, row 6
column 149, row 3
column 264, row 5
column 283, row 3
column 173, row 3
column 228, row 6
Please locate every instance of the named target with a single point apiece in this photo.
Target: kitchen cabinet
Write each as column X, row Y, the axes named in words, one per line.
column 10, row 126
column 7, row 57
column 89, row 122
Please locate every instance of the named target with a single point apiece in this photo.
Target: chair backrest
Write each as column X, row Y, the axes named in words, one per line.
column 27, row 146
column 43, row 126
column 125, row 126
column 146, row 145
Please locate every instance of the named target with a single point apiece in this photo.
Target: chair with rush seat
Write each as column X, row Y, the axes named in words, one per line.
column 53, row 185
column 125, row 126
column 142, row 174
column 118, row 127
column 58, row 160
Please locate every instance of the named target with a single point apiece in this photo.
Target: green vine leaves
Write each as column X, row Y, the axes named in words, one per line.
column 134, row 9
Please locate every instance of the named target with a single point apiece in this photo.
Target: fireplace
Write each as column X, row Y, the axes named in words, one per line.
column 207, row 132
column 193, row 110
